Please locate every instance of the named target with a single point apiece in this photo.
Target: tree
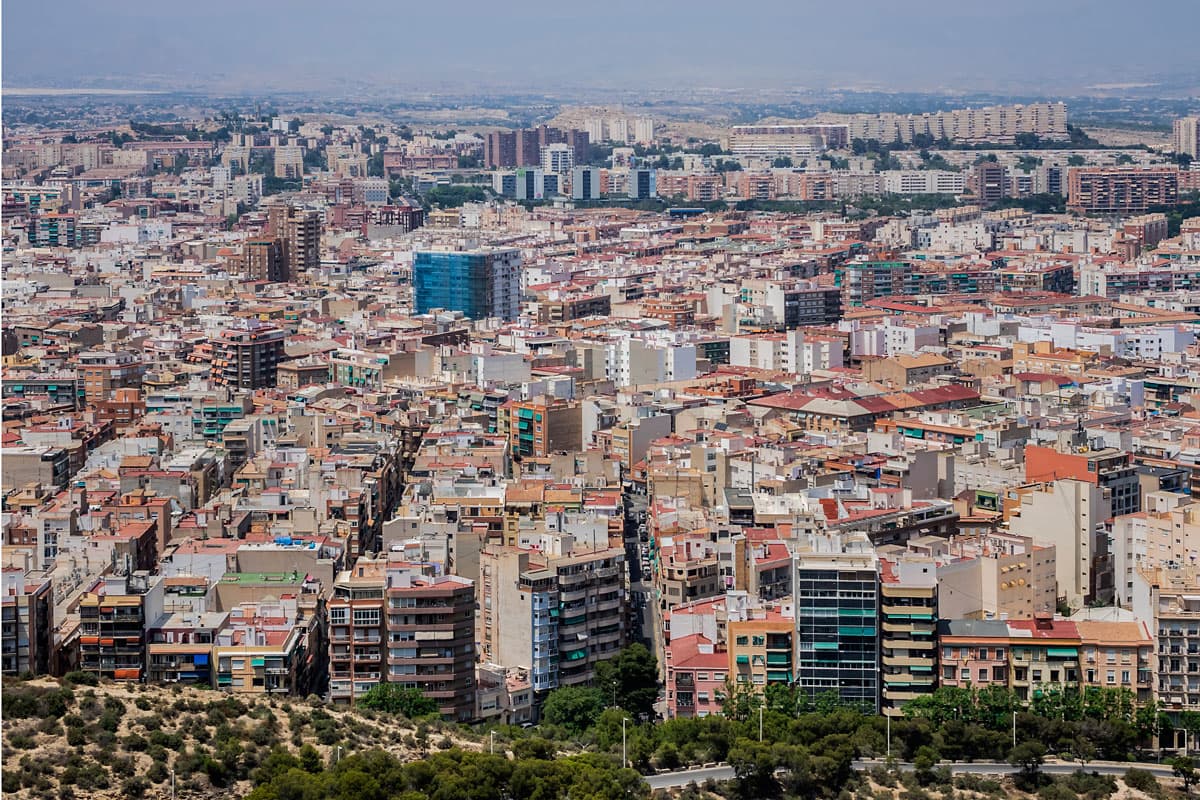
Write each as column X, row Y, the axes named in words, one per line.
column 1076, row 161
column 630, row 680
column 1184, row 768
column 1029, row 757
column 573, row 707
column 396, row 699
column 924, row 763
column 1124, row 158
column 782, row 162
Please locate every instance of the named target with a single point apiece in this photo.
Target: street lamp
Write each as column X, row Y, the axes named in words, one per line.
column 760, row 720
column 172, row 784
column 493, row 736
column 624, row 752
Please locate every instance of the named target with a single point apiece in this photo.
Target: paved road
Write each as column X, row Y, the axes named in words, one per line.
column 723, row 772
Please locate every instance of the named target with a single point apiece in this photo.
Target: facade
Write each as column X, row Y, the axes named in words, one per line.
column 585, row 183
column 558, row 159
column 557, row 616
column 105, row 372
column 836, row 592
column 28, row 618
column 796, row 142
column 540, row 427
column 112, row 626
column 247, row 357
column 1185, row 136
column 640, row 185
column 479, row 283
column 1121, row 190
column 299, row 234
column 908, row 619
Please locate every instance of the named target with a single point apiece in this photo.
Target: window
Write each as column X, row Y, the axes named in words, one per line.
column 239, row 663
column 983, row 653
column 948, row 673
column 1125, row 676
column 742, row 641
column 965, row 675
column 1112, row 676
column 999, row 653
column 948, row 653
column 983, row 675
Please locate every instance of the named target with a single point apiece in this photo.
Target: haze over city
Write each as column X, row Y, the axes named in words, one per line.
column 928, row 45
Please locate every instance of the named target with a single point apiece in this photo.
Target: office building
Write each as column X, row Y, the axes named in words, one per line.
column 1185, row 136
column 585, row 183
column 480, row 283
column 836, row 592
column 248, row 356
column 1121, row 190
column 640, row 184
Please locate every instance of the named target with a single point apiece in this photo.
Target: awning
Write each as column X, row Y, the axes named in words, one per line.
column 1062, row 652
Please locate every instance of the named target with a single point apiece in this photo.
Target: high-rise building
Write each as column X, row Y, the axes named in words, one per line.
column 480, row 283
column 908, row 631
column 1185, row 136
column 263, row 261
column 28, row 611
column 643, row 130
column 289, row 161
column 541, row 426
column 390, row 622
column 585, row 183
column 500, row 149
column 836, row 592
column 558, row 158
column 990, row 182
column 247, row 357
column 641, row 184
column 555, row 615
column 299, row 233
column 1121, row 190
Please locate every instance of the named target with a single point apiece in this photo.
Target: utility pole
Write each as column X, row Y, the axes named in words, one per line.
column 889, row 734
column 493, row 736
column 624, row 755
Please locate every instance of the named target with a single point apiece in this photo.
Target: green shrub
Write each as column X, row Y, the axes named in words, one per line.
column 1143, row 781
column 135, row 788
column 78, row 678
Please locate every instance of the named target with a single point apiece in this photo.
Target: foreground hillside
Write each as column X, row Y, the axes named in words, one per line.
column 74, row 740
column 115, row 740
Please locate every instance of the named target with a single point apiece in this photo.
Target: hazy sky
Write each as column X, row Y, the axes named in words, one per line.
column 1029, row 45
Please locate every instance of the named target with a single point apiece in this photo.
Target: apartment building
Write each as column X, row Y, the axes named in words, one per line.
column 104, row 372
column 247, row 356
column 357, row 630
column 1185, row 136
column 796, row 142
column 1121, row 190
column 28, row 618
column 762, row 646
column 272, row 646
column 908, row 617
column 556, row 613
column 480, row 283
column 541, row 426
column 112, row 625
